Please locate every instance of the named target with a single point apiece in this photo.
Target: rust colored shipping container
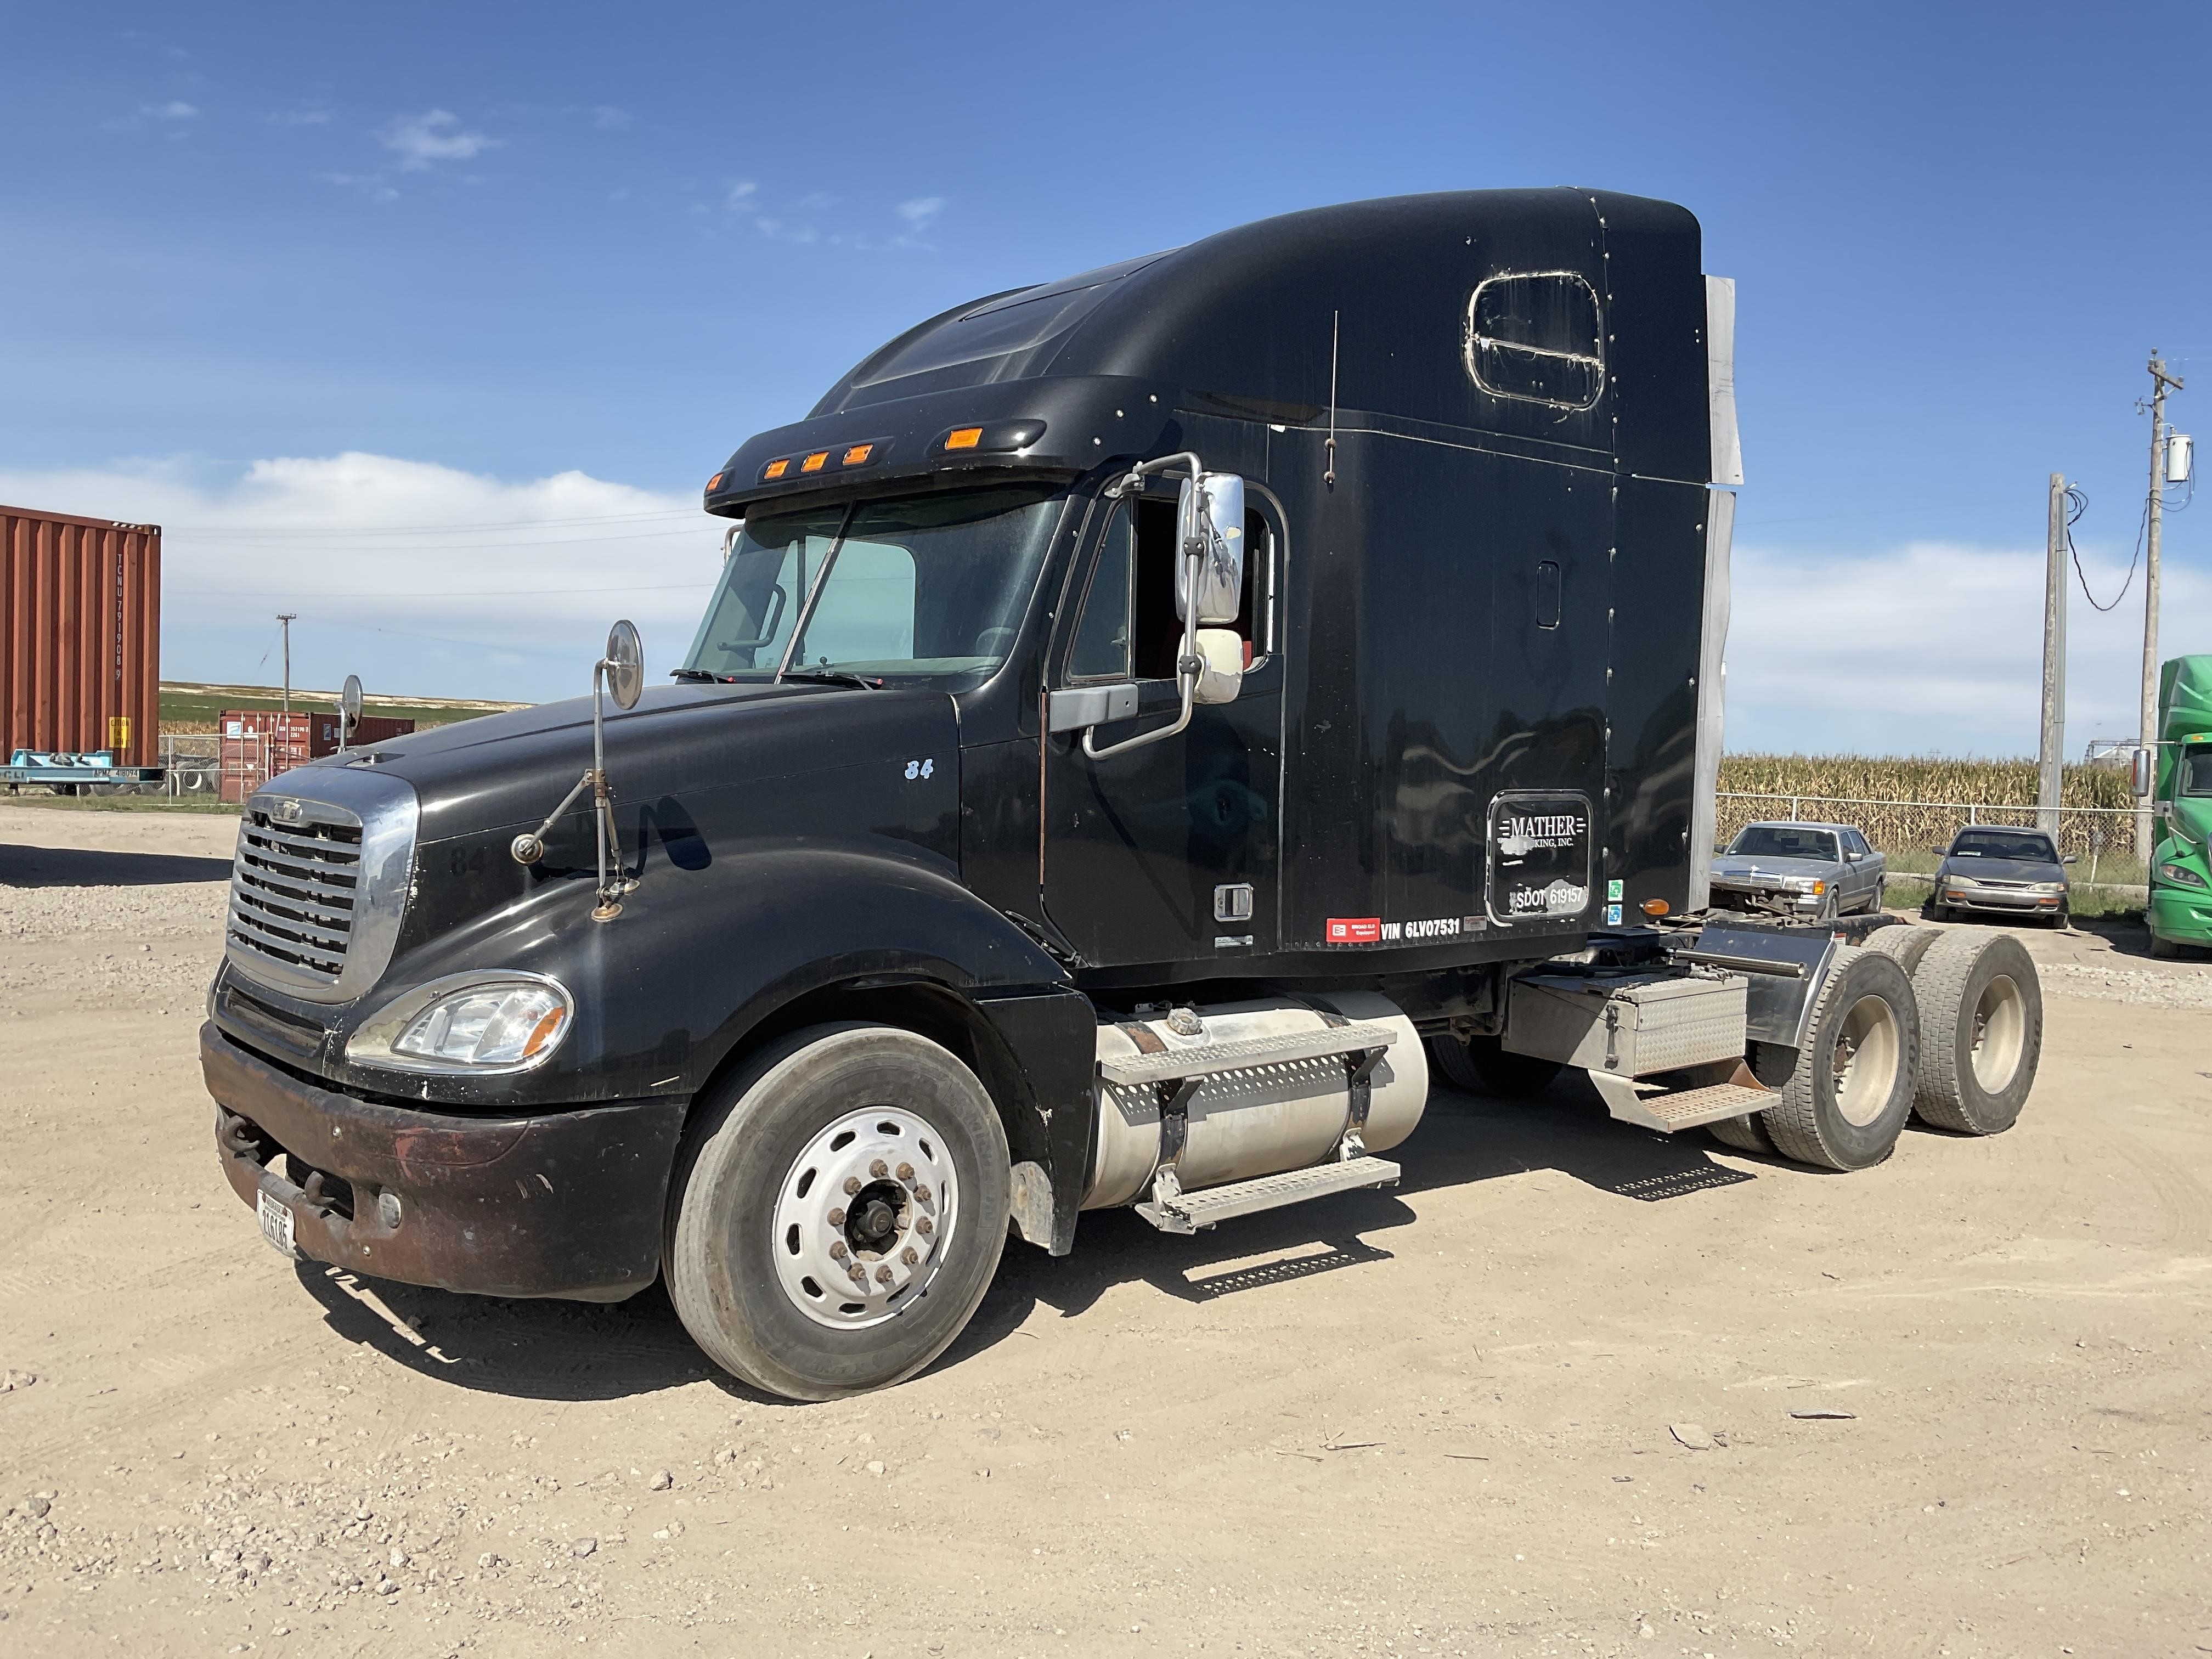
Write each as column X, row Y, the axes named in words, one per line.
column 80, row 635
column 258, row 744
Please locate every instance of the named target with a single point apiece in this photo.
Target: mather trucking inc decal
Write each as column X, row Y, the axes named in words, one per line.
column 1539, row 856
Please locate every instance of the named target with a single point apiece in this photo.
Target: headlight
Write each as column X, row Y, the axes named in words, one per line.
column 1812, row 885
column 2050, row 887
column 2180, row 874
column 469, row 1024
column 1960, row 881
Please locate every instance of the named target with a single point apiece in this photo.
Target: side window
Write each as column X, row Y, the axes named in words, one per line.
column 1128, row 627
column 1537, row 337
column 1101, row 650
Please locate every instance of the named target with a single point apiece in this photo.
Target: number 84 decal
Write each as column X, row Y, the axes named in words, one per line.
column 920, row 768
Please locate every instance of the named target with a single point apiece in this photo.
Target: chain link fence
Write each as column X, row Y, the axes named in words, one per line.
column 1914, row 833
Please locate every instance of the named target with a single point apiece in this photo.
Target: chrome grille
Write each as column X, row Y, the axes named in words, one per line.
column 294, row 889
column 325, row 860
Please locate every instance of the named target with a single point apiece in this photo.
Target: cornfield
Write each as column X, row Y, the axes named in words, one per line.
column 1911, row 808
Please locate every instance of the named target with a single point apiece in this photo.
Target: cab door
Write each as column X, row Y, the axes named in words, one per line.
column 1166, row 853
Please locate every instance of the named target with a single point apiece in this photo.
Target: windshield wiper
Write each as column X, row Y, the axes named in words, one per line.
column 701, row 674
column 833, row 677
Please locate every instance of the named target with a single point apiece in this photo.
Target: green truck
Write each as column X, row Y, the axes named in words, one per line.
column 2181, row 872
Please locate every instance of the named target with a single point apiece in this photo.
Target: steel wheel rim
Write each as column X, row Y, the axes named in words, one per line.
column 1868, row 1049
column 1999, row 1033
column 864, row 1217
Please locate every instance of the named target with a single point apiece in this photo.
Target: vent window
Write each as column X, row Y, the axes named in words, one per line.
column 1539, row 338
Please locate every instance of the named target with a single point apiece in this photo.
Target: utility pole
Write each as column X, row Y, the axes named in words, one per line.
column 2052, row 754
column 288, row 617
column 2160, row 381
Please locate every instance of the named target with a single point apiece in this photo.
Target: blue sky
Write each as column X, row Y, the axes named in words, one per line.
column 312, row 285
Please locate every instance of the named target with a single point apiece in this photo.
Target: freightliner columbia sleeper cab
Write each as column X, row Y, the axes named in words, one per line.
column 1145, row 723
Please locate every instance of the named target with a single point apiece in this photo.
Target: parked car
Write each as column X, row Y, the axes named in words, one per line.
column 1816, row 870
column 2016, row 873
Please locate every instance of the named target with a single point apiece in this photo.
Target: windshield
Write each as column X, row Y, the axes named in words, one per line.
column 1783, row 841
column 2002, row 844
column 926, row 589
column 2196, row 770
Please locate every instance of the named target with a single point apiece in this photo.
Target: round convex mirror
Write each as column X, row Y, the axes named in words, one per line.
column 349, row 700
column 625, row 664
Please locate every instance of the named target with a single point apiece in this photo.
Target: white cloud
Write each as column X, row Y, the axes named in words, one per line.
column 175, row 109
column 437, row 135
column 608, row 118
column 1936, row 648
column 921, row 212
column 307, row 115
column 417, row 577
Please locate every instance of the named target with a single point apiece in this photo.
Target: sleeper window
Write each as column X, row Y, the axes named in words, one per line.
column 1537, row 337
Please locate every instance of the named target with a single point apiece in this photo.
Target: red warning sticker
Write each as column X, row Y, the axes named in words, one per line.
column 1354, row 930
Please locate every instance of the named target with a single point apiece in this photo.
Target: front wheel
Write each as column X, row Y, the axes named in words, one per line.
column 1483, row 1065
column 838, row 1212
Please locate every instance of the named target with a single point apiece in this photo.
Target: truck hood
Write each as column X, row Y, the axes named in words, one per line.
column 1763, row 865
column 508, row 771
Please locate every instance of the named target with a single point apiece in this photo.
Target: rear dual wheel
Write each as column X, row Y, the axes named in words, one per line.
column 1847, row 1096
column 838, row 1211
column 1982, row 1006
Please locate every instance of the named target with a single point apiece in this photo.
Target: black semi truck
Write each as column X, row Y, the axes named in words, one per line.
column 1144, row 722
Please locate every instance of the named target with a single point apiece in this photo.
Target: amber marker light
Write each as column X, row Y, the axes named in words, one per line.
column 963, row 437
column 776, row 470
column 858, row 455
column 716, row 482
column 1655, row 907
column 815, row 462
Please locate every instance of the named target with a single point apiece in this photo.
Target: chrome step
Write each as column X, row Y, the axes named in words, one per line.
column 1685, row 1109
column 1186, row 1212
column 1203, row 1059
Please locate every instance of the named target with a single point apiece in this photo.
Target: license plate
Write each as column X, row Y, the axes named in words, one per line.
column 276, row 1223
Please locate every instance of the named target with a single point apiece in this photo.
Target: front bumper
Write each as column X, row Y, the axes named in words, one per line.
column 2183, row 913
column 1773, row 901
column 2006, row 901
column 566, row 1204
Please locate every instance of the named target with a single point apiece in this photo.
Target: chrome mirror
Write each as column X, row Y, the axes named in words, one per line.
column 1210, row 537
column 349, row 709
column 625, row 664
column 2141, row 774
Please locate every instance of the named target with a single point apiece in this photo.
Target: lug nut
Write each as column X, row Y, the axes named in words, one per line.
column 921, row 1191
column 879, row 1169
column 852, row 1185
column 836, row 1218
column 883, row 1275
column 908, row 1256
column 860, row 1274
column 906, row 1172
column 837, row 1249
column 925, row 1226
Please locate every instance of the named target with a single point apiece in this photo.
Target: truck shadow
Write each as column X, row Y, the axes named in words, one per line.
column 76, row 867
column 580, row 1351
column 1464, row 1139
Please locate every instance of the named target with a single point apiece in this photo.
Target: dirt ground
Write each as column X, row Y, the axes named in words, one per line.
column 1573, row 1388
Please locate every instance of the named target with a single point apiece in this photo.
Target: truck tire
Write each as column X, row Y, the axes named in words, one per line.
column 838, row 1211
column 1851, row 1089
column 1905, row 946
column 1745, row 1134
column 1483, row 1065
column 2164, row 950
column 1981, row 1012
